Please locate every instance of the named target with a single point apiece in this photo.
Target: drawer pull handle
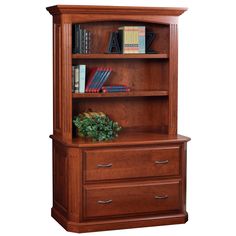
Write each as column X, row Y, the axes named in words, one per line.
column 162, row 162
column 161, row 197
column 105, row 202
column 104, row 165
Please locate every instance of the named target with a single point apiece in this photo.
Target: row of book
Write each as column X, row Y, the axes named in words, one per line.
column 132, row 39
column 78, row 78
column 94, row 83
column 81, row 39
column 96, row 79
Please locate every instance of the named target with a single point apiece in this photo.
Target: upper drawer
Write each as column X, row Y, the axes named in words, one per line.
column 108, row 164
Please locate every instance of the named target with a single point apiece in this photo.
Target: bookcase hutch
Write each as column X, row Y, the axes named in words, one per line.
column 139, row 178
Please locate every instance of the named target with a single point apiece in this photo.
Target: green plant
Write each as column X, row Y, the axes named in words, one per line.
column 96, row 125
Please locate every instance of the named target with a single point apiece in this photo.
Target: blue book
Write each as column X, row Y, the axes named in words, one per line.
column 82, row 73
column 104, row 79
column 97, row 80
column 104, row 74
column 95, row 77
column 141, row 36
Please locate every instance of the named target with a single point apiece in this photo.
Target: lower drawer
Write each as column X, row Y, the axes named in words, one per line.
column 131, row 199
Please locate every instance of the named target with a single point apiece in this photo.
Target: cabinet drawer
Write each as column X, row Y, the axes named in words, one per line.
column 131, row 199
column 131, row 163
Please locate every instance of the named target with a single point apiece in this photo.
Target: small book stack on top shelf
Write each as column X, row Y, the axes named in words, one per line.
column 132, row 39
column 93, row 80
column 81, row 40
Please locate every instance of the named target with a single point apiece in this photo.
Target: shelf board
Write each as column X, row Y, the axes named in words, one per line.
column 119, row 56
column 122, row 94
column 128, row 137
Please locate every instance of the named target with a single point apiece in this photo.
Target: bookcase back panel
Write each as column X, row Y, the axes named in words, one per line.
column 138, row 74
column 144, row 113
column 100, row 34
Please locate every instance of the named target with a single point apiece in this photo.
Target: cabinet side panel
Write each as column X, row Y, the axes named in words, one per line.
column 173, row 79
column 74, row 184
column 60, row 179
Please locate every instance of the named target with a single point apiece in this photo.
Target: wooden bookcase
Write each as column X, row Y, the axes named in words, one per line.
column 138, row 179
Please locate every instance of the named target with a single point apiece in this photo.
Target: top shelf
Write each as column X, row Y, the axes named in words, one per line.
column 119, row 56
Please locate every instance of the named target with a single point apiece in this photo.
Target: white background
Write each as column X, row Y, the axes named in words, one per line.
column 207, row 98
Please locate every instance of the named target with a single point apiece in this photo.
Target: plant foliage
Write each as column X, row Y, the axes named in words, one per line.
column 96, row 125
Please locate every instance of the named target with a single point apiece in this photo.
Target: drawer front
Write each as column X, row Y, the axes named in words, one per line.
column 121, row 163
column 131, row 199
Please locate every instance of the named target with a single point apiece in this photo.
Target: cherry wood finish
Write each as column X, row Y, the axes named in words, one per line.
column 140, row 93
column 119, row 56
column 135, row 198
column 110, row 164
column 139, row 178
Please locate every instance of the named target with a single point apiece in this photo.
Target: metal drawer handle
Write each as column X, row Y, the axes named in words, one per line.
column 161, row 197
column 104, row 165
column 162, row 162
column 105, row 202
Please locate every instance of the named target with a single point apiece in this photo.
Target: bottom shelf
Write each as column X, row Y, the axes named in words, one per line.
column 129, row 137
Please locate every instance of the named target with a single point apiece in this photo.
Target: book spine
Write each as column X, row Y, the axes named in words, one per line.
column 73, row 79
column 91, row 87
column 76, row 38
column 76, row 79
column 90, row 78
column 115, row 86
column 98, row 80
column 105, row 90
column 86, row 41
column 82, row 71
column 141, row 43
column 105, row 78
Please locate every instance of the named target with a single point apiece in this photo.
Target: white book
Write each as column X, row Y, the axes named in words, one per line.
column 82, row 77
column 76, row 84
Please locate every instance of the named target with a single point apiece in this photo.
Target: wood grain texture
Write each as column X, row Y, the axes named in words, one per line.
column 173, row 79
column 132, row 198
column 66, row 81
column 126, row 163
column 140, row 93
column 119, row 56
column 76, row 9
column 126, row 138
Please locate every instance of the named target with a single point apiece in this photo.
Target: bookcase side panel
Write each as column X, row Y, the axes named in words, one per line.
column 57, row 119
column 66, row 81
column 62, row 97
column 173, row 79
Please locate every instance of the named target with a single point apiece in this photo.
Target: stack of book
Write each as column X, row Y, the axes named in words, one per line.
column 96, row 79
column 115, row 89
column 81, row 39
column 78, row 78
column 132, row 39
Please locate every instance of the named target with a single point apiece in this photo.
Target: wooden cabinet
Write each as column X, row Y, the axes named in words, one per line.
column 139, row 178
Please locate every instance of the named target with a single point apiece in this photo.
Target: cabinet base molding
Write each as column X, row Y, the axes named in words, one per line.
column 113, row 224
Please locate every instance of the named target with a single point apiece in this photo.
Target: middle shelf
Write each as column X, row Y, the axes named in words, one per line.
column 120, row 56
column 122, row 94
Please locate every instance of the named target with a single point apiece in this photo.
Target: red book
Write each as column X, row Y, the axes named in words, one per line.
column 91, row 76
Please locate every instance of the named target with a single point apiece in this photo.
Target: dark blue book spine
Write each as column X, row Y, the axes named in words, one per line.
column 98, row 79
column 104, row 79
column 94, row 81
column 76, row 38
column 95, row 77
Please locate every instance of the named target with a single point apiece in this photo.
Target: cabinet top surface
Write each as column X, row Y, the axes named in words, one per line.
column 86, row 9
